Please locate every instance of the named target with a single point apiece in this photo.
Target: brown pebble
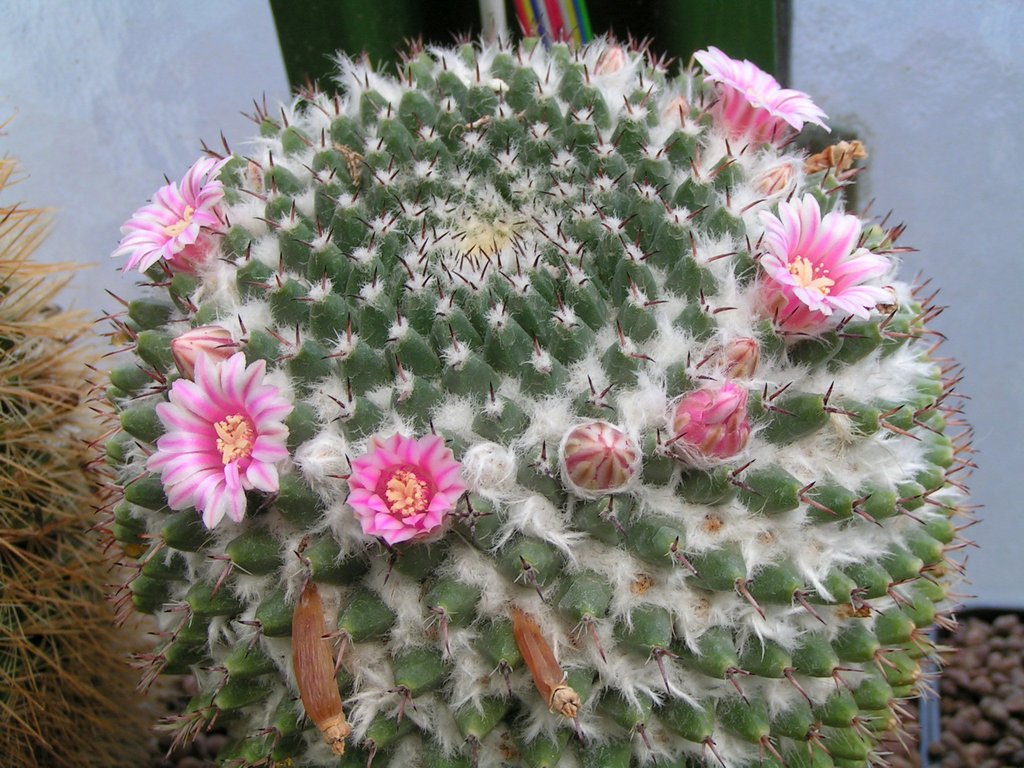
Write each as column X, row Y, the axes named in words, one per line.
column 1006, row 623
column 1007, row 746
column 973, row 753
column 985, row 730
column 1015, row 703
column 994, row 709
column 973, row 637
column 981, row 686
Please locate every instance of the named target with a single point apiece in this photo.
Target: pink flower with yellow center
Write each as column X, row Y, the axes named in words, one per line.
column 176, row 226
column 813, row 267
column 710, row 424
column 598, row 458
column 751, row 103
column 224, row 435
column 402, row 487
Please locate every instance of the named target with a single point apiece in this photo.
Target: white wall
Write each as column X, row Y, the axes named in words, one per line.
column 110, row 95
column 936, row 90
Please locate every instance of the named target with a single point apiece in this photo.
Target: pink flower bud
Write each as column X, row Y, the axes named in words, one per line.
column 676, row 110
column 611, row 61
column 210, row 340
column 598, row 458
column 710, row 424
column 774, row 180
column 741, row 358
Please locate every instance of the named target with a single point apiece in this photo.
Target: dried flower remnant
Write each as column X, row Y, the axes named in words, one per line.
column 314, row 668
column 840, row 157
column 547, row 675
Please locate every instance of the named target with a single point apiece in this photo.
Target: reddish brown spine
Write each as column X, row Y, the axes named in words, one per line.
column 314, row 670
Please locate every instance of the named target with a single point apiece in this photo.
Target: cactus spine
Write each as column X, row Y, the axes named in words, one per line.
column 707, row 490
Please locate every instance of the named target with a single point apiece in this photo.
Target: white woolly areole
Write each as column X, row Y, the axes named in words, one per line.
column 489, row 468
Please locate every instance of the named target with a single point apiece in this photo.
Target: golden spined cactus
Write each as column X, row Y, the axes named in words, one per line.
column 65, row 690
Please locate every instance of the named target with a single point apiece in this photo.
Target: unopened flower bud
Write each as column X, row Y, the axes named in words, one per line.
column 210, row 340
column 254, row 175
column 710, row 424
column 677, row 109
column 775, row 180
column 598, row 458
column 741, row 358
column 611, row 61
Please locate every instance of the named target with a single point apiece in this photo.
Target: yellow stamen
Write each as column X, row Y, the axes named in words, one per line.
column 234, row 438
column 804, row 272
column 406, row 493
column 175, row 229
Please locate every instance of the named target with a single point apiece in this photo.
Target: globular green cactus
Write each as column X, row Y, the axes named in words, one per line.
column 605, row 435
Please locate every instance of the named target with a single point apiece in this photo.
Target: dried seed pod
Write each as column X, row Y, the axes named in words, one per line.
column 314, row 670
column 547, row 675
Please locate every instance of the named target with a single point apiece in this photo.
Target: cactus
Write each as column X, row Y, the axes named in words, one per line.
column 66, row 694
column 597, row 430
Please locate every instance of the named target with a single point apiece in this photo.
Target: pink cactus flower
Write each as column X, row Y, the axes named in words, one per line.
column 176, row 225
column 751, row 103
column 814, row 268
column 710, row 424
column 598, row 458
column 402, row 487
column 225, row 435
column 212, row 341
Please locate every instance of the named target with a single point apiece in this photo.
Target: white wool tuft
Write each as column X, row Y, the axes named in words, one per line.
column 489, row 469
column 324, row 459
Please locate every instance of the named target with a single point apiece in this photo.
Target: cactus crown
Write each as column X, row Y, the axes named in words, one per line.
column 574, row 391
